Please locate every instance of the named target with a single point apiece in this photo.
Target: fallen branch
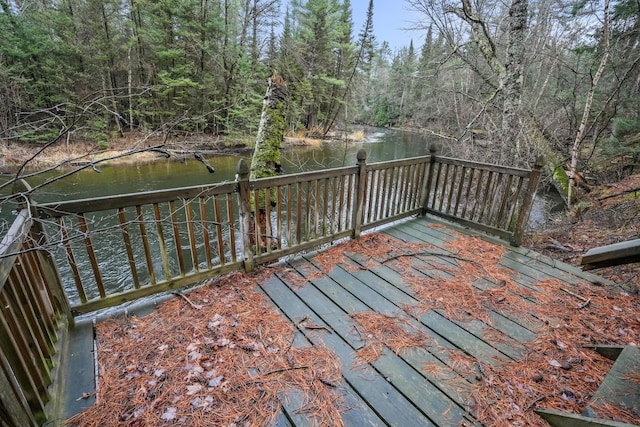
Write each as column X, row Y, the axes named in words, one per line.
column 184, row 297
column 391, row 258
column 293, row 368
column 609, row 196
column 580, row 297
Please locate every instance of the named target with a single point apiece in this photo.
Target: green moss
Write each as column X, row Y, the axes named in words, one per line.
column 561, row 177
column 267, row 156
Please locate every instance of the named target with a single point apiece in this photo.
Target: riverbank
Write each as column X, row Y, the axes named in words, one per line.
column 607, row 214
column 138, row 148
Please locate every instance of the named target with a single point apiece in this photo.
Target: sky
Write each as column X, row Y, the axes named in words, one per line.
column 389, row 19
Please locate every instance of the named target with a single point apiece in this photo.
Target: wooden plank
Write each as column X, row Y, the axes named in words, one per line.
column 96, row 204
column 154, row 288
column 379, row 394
column 161, row 242
column 324, row 293
column 12, row 243
column 618, row 388
column 566, row 419
column 616, row 254
column 438, row 352
column 521, row 330
column 609, row 351
column 407, row 380
column 531, row 255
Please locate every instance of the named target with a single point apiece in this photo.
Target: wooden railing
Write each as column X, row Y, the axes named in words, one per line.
column 75, row 257
column 32, row 315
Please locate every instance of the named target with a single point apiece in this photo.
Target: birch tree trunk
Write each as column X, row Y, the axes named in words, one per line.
column 575, row 148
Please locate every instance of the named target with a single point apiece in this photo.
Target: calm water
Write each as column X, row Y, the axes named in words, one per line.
column 380, row 145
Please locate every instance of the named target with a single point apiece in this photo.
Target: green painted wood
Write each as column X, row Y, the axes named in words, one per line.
column 617, row 388
column 79, row 364
column 372, row 388
column 566, row 419
column 605, row 256
column 424, row 222
column 609, row 351
column 323, row 294
column 513, row 260
column 456, row 385
column 499, row 320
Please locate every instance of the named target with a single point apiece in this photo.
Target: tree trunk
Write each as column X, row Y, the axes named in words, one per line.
column 512, row 87
column 575, row 148
column 266, row 157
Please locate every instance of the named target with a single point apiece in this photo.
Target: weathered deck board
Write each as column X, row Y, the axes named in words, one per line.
column 396, row 389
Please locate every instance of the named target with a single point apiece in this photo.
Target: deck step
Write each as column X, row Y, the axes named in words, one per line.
column 617, row 388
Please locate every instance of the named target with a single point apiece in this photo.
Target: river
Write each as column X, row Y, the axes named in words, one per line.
column 380, row 145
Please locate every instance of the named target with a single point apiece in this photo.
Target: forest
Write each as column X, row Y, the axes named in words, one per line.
column 504, row 81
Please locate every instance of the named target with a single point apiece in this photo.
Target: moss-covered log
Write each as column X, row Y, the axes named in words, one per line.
column 266, row 157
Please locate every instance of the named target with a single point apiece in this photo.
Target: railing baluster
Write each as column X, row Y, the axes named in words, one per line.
column 30, row 307
column 175, row 224
column 192, row 235
column 19, row 357
column 460, row 187
column 476, row 198
column 232, row 231
column 41, row 294
column 452, row 187
column 503, row 203
column 485, row 197
column 161, row 242
column 467, row 197
column 289, row 213
column 510, row 220
column 325, row 208
column 71, row 259
column 92, row 255
column 267, row 220
column 308, row 212
column 436, row 186
column 128, row 247
column 299, row 213
column 202, row 202
column 27, row 352
column 145, row 241
column 348, row 214
column 373, row 178
column 341, row 182
column 445, row 182
column 279, row 217
column 392, row 200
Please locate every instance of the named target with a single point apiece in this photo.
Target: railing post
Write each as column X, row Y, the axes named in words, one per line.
column 426, row 190
column 244, row 202
column 360, row 193
column 527, row 202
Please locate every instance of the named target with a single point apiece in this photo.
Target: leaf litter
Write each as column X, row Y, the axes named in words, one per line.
column 226, row 364
column 232, row 360
column 467, row 282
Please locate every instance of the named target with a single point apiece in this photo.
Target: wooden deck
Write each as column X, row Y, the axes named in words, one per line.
column 422, row 386
column 396, row 390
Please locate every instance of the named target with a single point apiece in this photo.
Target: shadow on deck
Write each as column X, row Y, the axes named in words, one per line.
column 466, row 372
